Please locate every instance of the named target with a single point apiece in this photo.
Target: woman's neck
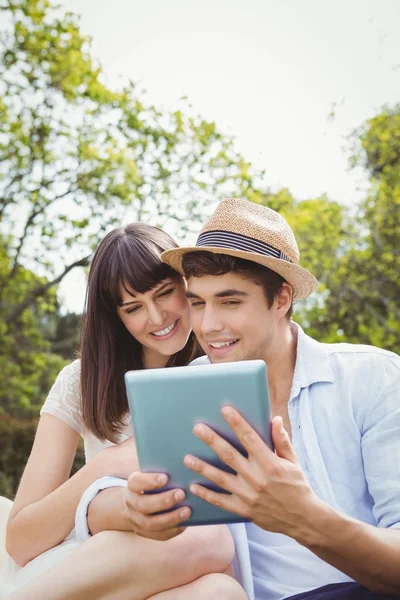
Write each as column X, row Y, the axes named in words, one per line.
column 153, row 360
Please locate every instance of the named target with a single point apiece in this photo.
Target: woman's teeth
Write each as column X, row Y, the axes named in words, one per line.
column 164, row 331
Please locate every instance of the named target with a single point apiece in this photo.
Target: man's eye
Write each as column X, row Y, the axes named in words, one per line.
column 231, row 302
column 194, row 304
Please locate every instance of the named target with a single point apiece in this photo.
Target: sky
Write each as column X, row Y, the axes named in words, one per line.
column 268, row 72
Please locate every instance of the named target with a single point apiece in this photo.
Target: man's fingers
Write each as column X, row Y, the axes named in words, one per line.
column 220, row 478
column 250, row 439
column 226, row 501
column 148, row 504
column 280, row 436
column 146, row 482
column 227, row 453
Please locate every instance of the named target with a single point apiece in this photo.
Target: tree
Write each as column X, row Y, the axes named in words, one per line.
column 363, row 299
column 27, row 368
column 321, row 227
column 62, row 331
column 76, row 159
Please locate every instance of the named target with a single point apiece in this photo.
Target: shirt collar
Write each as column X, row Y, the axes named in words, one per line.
column 312, row 363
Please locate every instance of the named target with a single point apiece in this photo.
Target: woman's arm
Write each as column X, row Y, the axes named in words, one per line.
column 44, row 508
column 108, row 511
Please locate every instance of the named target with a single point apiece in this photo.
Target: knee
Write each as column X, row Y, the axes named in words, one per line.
column 113, row 543
column 104, row 539
column 217, row 585
column 212, row 547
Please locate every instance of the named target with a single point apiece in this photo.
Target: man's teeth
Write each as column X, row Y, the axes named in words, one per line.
column 164, row 331
column 221, row 344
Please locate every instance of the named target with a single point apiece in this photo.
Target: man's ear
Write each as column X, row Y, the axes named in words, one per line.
column 284, row 299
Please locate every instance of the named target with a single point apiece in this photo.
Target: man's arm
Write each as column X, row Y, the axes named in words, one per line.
column 272, row 490
column 368, row 554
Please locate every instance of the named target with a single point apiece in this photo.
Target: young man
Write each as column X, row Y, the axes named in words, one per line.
column 325, row 508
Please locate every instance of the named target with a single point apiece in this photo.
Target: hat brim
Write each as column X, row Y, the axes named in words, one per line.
column 302, row 281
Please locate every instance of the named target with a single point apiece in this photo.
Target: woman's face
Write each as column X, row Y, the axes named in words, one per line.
column 158, row 320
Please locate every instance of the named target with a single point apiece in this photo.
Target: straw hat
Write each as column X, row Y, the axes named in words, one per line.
column 254, row 232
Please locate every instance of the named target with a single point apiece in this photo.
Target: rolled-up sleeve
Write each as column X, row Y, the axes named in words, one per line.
column 381, row 445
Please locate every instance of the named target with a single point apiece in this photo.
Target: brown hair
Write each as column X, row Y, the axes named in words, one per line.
column 129, row 256
column 201, row 263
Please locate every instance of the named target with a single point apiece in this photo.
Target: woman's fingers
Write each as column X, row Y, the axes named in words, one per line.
column 143, row 510
column 146, row 525
column 148, row 504
column 139, row 482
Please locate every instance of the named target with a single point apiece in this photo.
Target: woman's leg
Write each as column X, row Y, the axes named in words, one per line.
column 123, row 565
column 208, row 587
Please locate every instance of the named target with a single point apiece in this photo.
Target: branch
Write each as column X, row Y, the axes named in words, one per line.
column 34, row 213
column 42, row 289
column 21, row 242
column 373, row 312
column 390, row 306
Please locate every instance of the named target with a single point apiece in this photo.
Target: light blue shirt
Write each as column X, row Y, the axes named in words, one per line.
column 344, row 410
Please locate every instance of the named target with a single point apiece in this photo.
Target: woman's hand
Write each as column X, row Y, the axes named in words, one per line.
column 138, row 509
column 141, row 510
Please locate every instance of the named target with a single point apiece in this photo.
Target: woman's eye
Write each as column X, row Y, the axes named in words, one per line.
column 133, row 309
column 166, row 293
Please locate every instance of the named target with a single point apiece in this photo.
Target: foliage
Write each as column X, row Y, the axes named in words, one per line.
column 16, row 440
column 77, row 156
column 62, row 331
column 362, row 301
column 27, row 368
column 76, row 159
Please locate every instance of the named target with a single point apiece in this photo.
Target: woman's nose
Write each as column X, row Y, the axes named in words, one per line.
column 156, row 315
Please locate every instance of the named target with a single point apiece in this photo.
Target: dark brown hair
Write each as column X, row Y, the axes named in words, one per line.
column 201, row 263
column 129, row 256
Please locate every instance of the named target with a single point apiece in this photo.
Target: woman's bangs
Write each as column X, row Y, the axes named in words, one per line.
column 140, row 269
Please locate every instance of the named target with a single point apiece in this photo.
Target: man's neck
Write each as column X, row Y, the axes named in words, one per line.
column 281, row 364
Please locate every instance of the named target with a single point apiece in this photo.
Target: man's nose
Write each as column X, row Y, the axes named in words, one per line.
column 210, row 322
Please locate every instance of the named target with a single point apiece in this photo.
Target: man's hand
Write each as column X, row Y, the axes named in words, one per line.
column 140, row 507
column 269, row 488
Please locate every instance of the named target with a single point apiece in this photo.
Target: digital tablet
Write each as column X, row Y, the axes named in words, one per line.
column 165, row 404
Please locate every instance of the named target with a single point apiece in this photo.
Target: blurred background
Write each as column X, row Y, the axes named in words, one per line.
column 155, row 111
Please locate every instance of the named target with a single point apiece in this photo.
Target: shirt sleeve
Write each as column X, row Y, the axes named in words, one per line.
column 81, row 524
column 381, row 446
column 64, row 399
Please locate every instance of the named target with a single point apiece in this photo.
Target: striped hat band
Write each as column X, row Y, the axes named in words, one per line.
column 238, row 241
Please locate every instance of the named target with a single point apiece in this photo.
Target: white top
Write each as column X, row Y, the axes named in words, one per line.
column 64, row 401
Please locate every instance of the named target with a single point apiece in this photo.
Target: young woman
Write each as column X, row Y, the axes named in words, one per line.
column 137, row 317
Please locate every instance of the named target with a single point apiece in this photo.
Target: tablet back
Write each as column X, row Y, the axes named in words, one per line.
column 165, row 404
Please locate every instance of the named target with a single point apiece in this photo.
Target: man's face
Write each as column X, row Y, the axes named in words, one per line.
column 230, row 316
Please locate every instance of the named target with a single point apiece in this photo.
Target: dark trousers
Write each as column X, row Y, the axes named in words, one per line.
column 341, row 591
